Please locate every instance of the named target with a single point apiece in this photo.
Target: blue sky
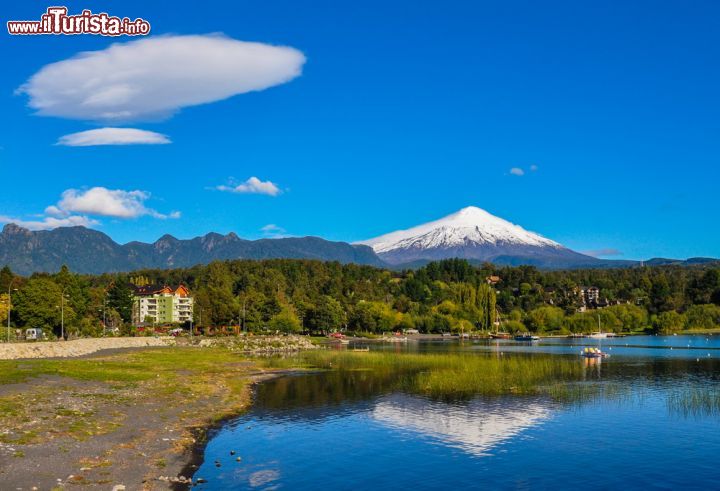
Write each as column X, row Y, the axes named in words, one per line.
column 404, row 112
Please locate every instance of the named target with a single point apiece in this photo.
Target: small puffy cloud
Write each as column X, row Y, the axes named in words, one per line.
column 603, row 252
column 48, row 223
column 154, row 77
column 533, row 167
column 272, row 230
column 78, row 206
column 101, row 201
column 252, row 186
column 112, row 136
column 517, row 171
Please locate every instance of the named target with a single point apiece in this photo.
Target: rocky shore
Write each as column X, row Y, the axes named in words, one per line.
column 76, row 347
column 258, row 344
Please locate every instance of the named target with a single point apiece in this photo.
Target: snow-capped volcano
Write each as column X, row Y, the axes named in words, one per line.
column 473, row 233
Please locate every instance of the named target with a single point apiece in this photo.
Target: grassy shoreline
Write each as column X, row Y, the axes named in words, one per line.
column 125, row 418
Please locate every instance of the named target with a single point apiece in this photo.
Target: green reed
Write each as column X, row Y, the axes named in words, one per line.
column 449, row 374
column 695, row 402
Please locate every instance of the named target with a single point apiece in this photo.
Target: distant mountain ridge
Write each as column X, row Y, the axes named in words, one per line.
column 89, row 251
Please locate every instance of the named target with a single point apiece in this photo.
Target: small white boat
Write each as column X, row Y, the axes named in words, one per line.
column 599, row 334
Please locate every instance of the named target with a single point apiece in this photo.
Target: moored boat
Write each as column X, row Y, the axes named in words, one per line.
column 593, row 353
column 526, row 337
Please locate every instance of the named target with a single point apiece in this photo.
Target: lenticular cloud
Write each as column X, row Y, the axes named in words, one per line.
column 155, row 77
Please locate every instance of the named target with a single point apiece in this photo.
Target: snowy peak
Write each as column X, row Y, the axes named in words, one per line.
column 467, row 228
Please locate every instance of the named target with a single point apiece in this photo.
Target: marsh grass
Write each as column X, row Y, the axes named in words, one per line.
column 447, row 374
column 695, row 402
column 127, row 368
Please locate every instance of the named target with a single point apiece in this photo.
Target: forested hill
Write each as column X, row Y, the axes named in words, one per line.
column 450, row 295
column 89, row 251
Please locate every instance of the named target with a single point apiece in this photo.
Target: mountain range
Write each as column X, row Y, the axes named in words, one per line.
column 89, row 251
column 471, row 233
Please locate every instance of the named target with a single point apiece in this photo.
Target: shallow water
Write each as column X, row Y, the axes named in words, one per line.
column 354, row 430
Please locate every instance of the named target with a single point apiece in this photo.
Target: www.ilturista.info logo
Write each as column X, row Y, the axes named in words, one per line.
column 57, row 21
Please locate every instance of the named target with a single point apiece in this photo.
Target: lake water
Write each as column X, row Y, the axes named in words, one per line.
column 354, row 430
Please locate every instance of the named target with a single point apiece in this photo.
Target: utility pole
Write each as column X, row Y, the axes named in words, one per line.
column 105, row 314
column 62, row 315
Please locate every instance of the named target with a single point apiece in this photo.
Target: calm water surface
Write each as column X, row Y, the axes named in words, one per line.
column 354, row 430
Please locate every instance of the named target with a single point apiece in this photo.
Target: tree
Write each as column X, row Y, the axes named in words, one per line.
column 285, row 321
column 485, row 302
column 327, row 315
column 703, row 316
column 545, row 318
column 120, row 298
column 37, row 305
column 669, row 322
column 6, row 278
column 4, row 307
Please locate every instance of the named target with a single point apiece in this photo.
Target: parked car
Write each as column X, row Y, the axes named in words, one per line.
column 34, row 334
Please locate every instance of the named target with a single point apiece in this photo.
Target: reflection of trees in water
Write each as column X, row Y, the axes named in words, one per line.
column 661, row 370
column 691, row 387
column 329, row 388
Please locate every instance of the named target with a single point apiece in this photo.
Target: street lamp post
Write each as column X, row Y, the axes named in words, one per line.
column 62, row 314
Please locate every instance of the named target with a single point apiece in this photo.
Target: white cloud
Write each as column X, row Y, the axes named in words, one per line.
column 77, row 207
column 272, row 230
column 252, row 186
column 533, row 167
column 155, row 77
column 112, row 136
column 609, row 251
column 48, row 223
column 106, row 202
column 517, row 171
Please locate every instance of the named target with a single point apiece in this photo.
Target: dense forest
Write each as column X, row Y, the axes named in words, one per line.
column 313, row 296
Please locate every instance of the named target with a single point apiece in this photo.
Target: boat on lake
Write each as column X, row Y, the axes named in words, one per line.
column 593, row 353
column 498, row 334
column 598, row 335
column 526, row 337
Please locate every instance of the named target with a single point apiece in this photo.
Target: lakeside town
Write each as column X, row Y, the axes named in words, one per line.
column 285, row 296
